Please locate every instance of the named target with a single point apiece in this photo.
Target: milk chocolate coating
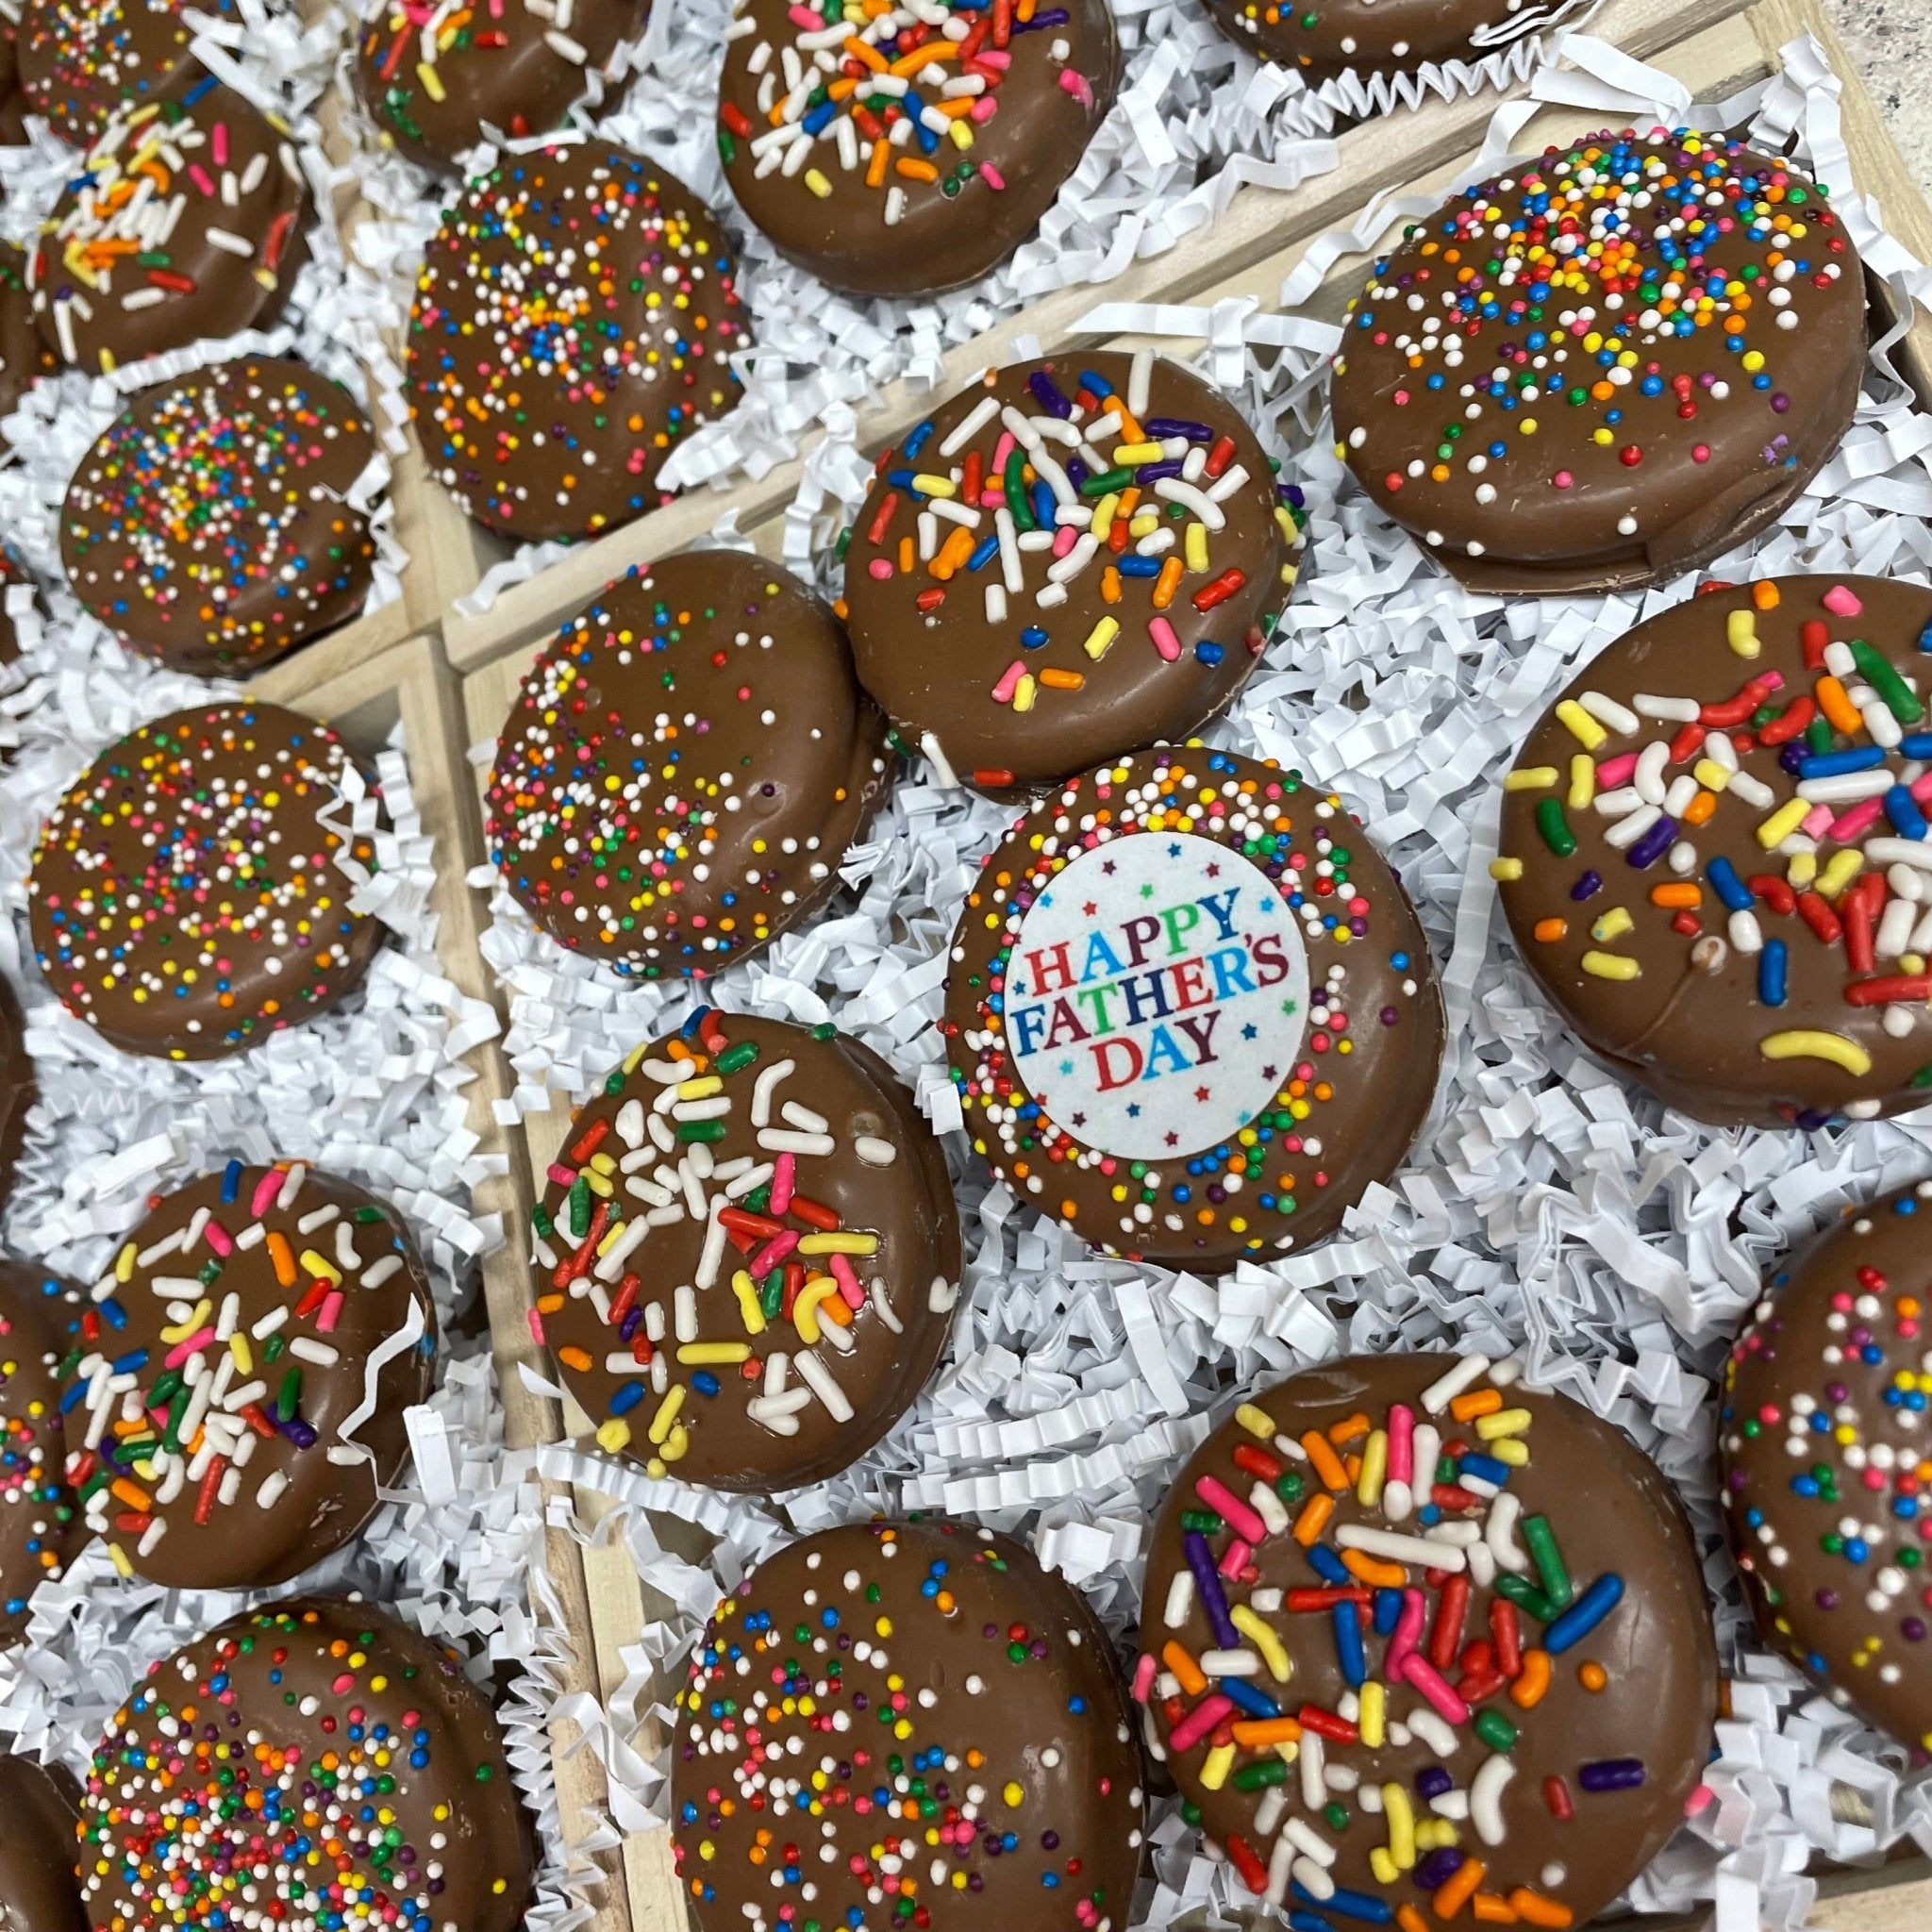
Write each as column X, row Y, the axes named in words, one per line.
column 685, row 767
column 23, row 354
column 501, row 70
column 82, row 61
column 17, row 1087
column 40, row 1813
column 224, row 266
column 898, row 234
column 315, row 1275
column 1124, row 660
column 186, row 898
column 208, row 524
column 932, row 1653
column 1368, row 36
column 858, row 1153
column 1628, row 1753
column 1692, row 1026
column 13, row 101
column 40, row 1530
column 1479, row 401
column 585, row 381
column 1823, row 1463
column 313, row 1747
column 1201, row 1048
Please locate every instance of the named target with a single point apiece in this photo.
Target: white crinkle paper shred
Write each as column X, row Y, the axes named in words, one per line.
column 374, row 1090
column 1548, row 1211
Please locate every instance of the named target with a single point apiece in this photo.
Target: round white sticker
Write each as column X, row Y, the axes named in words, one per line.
column 1157, row 996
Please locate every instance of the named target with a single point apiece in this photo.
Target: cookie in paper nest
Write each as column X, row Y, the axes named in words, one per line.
column 1824, row 1471
column 234, row 1395
column 1333, row 37
column 40, row 1814
column 312, row 1761
column 906, row 1725
column 749, row 1254
column 1605, row 366
column 18, row 1087
column 1714, row 852
column 187, row 896
column 1421, row 1645
column 905, row 150
column 81, row 61
column 1191, row 1013
column 1067, row 560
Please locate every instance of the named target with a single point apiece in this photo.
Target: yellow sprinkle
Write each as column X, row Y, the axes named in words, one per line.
column 124, row 1263
column 1273, row 1652
column 1257, row 1422
column 1103, row 515
column 318, row 1264
column 597, row 1183
column 1368, row 1489
column 1583, row 727
column 634, row 1057
column 1841, row 869
column 804, row 1309
column 245, row 1356
column 1014, row 1792
column 1512, row 1450
column 1130, row 453
column 1216, row 1766
column 612, row 1235
column 126, row 1569
column 1740, row 633
column 1531, row 778
column 1504, row 1422
column 1100, row 639
column 1506, row 871
column 703, row 1355
column 613, row 1435
column 1800, row 870
column 1382, row 1866
column 748, row 1304
column 929, row 485
column 1611, row 966
column 1808, row 1043
column 1582, row 780
column 841, row 1242
column 1372, row 1712
column 676, row 1443
column 1025, row 692
column 1786, row 819
column 432, row 83
column 1401, row 1817
column 195, row 1322
column 1194, row 546
column 1434, row 1834
column 816, row 181
column 960, row 133
column 1612, row 924
column 701, row 1088
column 667, row 1413
column 1710, row 774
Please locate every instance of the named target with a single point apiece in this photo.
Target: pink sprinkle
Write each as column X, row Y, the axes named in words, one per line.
column 1816, row 821
column 803, row 17
column 1224, row 1502
column 997, row 58
column 784, row 1179
column 266, row 1188
column 563, row 1176
column 346, row 1682
column 218, row 142
column 193, row 1345
column 1064, row 539
column 1562, row 480
column 218, row 1237
column 537, row 1329
column 1613, row 772
column 1407, row 1632
column 773, row 1253
column 1143, row 1678
column 992, row 177
column 1009, row 678
column 983, row 109
column 1077, row 85
column 199, row 175
column 1199, row 1722
column 1841, row 601
column 847, row 1280
column 1423, row 1675
column 330, row 1312
column 1164, row 639
column 1001, row 450
column 881, row 568
column 1401, row 1442
column 1234, row 1560
column 1854, row 821
column 1921, row 786
column 1698, row 1799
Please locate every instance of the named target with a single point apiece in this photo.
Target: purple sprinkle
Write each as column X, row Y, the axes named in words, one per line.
column 1793, row 754
column 1159, row 428
column 1152, row 472
column 1432, row 1781
column 1913, row 1629
column 1213, row 1599
column 1588, row 886
column 1612, row 1774
column 1653, row 846
column 1435, row 1871
column 1056, row 18
column 1044, row 388
column 1077, row 472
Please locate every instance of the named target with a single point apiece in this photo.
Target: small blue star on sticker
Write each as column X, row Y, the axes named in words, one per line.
column 1133, row 1110
column 1173, row 850
column 1066, row 1067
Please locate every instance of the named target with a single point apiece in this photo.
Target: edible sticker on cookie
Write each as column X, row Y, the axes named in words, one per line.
column 1158, row 992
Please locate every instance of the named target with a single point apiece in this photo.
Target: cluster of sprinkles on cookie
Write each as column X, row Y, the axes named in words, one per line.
column 40, row 1528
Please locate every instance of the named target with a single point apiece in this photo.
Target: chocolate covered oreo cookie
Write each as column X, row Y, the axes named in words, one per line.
column 187, row 896
column 1191, row 1012
column 1365, row 36
column 83, row 60
column 907, row 1724
column 41, row 1526
column 230, row 1424
column 1067, row 560
column 1419, row 1644
column 684, row 767
column 210, row 523
column 17, row 1089
column 1824, row 1471
column 750, row 1254
column 1714, row 852
column 1605, row 366
column 573, row 321
column 313, row 1757
column 39, row 1890
column 903, row 150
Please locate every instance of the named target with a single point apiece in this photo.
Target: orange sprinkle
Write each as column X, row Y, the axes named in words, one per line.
column 1551, row 930
column 578, row 1358
column 1528, row 1688
column 1764, row 594
column 1457, row 1893
column 1684, row 893
column 916, row 170
column 1837, row 706
column 1465, row 1409
column 1373, row 1570
column 1062, row 680
column 1592, row 1676
column 1532, row 1907
column 1180, row 1661
column 1326, row 1463
column 1493, row 1910
column 1313, row 1519
column 1167, row 583
column 876, row 162
column 1256, row 1734
column 282, row 1255
column 1700, row 808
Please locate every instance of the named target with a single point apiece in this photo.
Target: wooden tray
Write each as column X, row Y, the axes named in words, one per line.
column 1713, row 46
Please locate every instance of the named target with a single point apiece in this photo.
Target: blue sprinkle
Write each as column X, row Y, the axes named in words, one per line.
column 627, row 1397
column 1033, row 637
column 1725, row 883
column 1771, row 974
column 984, row 552
column 1485, row 1469
column 1585, row 1614
column 1248, row 1697
column 705, row 1383
column 1328, row 1566
column 231, row 1183
column 1348, row 1644
column 1901, row 808
column 1208, row 651
column 1140, row 566
column 1834, row 764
